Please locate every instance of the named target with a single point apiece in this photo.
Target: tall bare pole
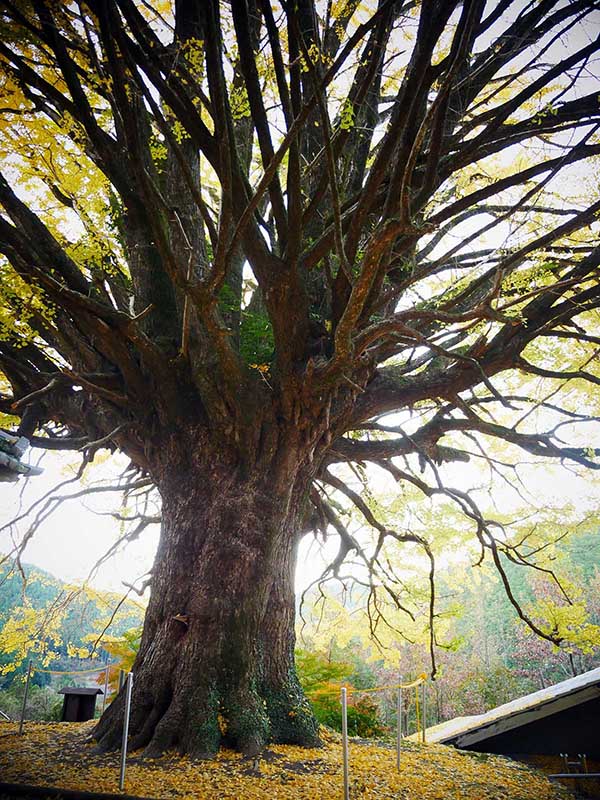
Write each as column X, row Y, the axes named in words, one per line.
column 398, row 725
column 24, row 706
column 423, row 711
column 125, row 729
column 105, row 686
column 345, row 742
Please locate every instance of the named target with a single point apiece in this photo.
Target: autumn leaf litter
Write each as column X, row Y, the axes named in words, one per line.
column 61, row 755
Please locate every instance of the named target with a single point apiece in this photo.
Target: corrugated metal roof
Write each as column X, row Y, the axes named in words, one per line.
column 468, row 730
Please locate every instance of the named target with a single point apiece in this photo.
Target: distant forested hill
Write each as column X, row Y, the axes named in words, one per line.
column 54, row 623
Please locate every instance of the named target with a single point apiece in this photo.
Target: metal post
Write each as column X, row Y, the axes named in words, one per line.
column 345, row 742
column 24, row 706
column 105, row 685
column 121, row 678
column 125, row 729
column 417, row 713
column 398, row 727
column 423, row 711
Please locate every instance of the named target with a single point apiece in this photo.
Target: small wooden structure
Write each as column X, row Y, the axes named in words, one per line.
column 79, row 704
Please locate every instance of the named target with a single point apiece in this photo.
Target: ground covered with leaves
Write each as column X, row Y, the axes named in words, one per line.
column 61, row 755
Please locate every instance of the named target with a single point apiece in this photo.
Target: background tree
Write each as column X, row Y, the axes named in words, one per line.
column 235, row 236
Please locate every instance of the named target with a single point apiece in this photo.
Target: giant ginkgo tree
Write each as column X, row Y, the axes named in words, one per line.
column 236, row 235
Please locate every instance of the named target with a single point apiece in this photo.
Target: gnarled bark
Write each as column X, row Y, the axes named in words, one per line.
column 216, row 660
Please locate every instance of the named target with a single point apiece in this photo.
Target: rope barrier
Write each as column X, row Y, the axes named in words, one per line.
column 417, row 682
column 420, row 719
column 72, row 671
column 31, row 670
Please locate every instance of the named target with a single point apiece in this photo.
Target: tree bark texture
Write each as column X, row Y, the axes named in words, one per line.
column 216, row 660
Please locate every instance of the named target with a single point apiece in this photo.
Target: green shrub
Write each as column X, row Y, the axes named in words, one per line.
column 44, row 704
column 321, row 678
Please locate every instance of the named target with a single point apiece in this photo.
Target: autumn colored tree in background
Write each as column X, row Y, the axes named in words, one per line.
column 235, row 236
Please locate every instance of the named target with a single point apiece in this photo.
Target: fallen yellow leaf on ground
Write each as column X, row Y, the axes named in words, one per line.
column 59, row 754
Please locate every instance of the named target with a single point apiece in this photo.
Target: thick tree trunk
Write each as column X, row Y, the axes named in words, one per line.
column 216, row 660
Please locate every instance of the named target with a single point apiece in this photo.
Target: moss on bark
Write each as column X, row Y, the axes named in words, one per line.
column 216, row 659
